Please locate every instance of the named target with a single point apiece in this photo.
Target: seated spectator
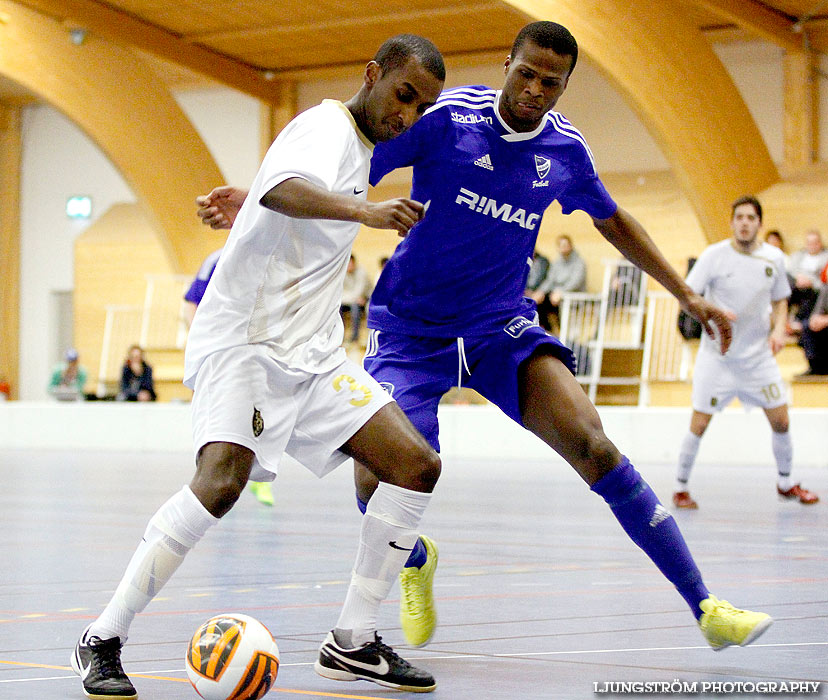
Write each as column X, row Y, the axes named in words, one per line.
column 68, row 378
column 537, row 274
column 136, row 378
column 567, row 273
column 815, row 336
column 775, row 239
column 355, row 295
column 805, row 268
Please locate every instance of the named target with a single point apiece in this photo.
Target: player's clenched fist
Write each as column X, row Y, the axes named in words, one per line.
column 398, row 214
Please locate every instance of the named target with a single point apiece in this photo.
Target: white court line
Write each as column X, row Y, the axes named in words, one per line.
column 458, row 656
column 616, row 651
column 42, row 678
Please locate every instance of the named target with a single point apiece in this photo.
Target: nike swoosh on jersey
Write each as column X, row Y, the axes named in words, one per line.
column 356, row 191
column 380, row 668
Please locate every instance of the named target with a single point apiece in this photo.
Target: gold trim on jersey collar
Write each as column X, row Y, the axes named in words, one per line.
column 362, row 137
column 752, row 253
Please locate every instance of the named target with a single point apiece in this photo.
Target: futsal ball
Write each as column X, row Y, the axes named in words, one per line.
column 232, row 657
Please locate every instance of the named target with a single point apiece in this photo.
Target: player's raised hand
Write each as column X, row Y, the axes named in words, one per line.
column 714, row 320
column 219, row 209
column 398, row 214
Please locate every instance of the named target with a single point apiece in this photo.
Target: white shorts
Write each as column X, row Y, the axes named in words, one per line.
column 244, row 396
column 716, row 382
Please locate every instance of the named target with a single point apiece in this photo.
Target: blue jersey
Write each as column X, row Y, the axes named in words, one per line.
column 199, row 286
column 462, row 269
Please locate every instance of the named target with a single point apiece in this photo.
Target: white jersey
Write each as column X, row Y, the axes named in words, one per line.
column 746, row 284
column 279, row 280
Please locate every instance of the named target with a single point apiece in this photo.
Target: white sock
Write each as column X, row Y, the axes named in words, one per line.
column 389, row 532
column 172, row 532
column 783, row 453
column 687, row 458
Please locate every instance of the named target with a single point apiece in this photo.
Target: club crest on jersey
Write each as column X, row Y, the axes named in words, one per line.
column 517, row 326
column 258, row 422
column 769, row 271
column 388, row 387
column 542, row 165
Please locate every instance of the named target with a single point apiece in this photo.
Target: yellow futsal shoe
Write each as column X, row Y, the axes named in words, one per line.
column 418, row 615
column 723, row 625
column 262, row 491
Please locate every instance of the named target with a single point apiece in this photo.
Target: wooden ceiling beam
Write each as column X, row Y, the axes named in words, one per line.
column 125, row 30
column 465, row 59
column 402, row 18
column 756, row 19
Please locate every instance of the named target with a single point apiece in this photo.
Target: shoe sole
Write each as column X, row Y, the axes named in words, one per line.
column 785, row 499
column 753, row 635
column 338, row 675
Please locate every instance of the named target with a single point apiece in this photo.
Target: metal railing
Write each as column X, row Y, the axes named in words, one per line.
column 624, row 317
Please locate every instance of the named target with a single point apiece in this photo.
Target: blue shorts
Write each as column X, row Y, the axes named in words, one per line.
column 418, row 370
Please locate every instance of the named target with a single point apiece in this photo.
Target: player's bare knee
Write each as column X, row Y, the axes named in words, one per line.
column 423, row 472
column 221, row 474
column 604, row 454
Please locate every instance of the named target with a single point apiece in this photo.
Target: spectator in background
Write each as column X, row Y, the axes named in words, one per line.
column 537, row 274
column 815, row 336
column 566, row 274
column 804, row 268
column 383, row 261
column 261, row 489
column 775, row 239
column 68, row 378
column 136, row 377
column 355, row 295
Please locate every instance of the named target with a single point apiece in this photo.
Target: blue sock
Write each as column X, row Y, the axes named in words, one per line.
column 418, row 555
column 650, row 525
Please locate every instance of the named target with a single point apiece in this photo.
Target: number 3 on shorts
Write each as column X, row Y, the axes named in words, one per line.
column 354, row 388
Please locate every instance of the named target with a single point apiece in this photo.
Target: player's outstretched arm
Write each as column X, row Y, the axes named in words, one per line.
column 219, row 208
column 302, row 199
column 630, row 238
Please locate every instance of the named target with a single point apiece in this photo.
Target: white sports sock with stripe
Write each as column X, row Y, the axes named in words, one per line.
column 172, row 532
column 783, row 453
column 687, row 458
column 389, row 532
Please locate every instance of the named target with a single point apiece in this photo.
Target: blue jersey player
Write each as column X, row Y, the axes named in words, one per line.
column 487, row 163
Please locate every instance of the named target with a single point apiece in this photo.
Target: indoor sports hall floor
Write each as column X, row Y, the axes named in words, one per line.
column 540, row 593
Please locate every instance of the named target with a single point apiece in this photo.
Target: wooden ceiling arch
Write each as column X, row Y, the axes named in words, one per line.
column 676, row 84
column 155, row 147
